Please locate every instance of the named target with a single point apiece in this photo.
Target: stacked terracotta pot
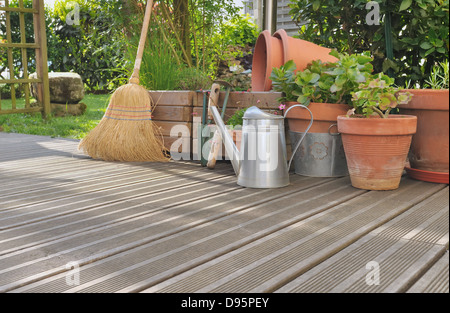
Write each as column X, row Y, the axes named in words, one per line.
column 274, row 51
column 429, row 154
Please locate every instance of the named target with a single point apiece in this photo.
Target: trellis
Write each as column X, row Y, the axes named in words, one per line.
column 40, row 46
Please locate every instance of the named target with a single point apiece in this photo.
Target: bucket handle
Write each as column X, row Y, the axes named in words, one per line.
column 304, row 135
column 333, row 134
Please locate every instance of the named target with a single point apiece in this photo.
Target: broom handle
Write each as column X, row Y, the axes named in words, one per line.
column 137, row 65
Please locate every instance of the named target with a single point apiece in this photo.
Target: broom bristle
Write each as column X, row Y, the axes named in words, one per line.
column 127, row 133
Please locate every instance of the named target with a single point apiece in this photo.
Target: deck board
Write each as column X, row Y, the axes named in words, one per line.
column 178, row 227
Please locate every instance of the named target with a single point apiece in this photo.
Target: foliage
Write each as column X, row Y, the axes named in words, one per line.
column 207, row 18
column 420, row 31
column 377, row 95
column 192, row 79
column 187, row 28
column 94, row 48
column 235, row 38
column 324, row 82
column 159, row 70
column 16, row 38
column 283, row 80
column 239, row 31
column 439, row 78
column 237, row 118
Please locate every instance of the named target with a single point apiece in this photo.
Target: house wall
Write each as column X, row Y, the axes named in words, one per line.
column 284, row 20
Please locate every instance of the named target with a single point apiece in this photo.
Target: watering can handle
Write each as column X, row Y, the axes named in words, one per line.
column 306, row 132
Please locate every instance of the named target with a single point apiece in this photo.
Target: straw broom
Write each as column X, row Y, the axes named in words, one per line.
column 127, row 133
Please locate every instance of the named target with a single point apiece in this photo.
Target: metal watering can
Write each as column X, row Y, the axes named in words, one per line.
column 262, row 159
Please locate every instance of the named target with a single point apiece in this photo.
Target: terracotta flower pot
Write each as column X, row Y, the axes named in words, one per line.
column 301, row 51
column 274, row 51
column 325, row 116
column 430, row 145
column 376, row 149
column 268, row 54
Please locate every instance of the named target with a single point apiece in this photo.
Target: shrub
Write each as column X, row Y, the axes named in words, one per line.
column 419, row 28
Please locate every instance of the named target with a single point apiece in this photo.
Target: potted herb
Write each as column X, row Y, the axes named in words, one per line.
column 376, row 142
column 429, row 154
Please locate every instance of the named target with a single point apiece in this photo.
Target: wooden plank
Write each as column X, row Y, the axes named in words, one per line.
column 24, row 10
column 184, row 144
column 173, row 113
column 435, row 280
column 167, row 127
column 263, row 100
column 18, row 111
column 10, row 56
column 19, row 45
column 21, row 81
column 172, row 98
column 23, row 40
column 403, row 248
column 274, row 260
column 41, row 57
column 164, row 253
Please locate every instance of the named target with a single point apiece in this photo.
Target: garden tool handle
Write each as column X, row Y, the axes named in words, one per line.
column 304, row 135
column 140, row 53
column 213, row 99
column 215, row 147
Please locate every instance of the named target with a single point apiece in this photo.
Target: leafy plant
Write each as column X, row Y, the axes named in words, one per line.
column 94, row 49
column 324, row 82
column 439, row 78
column 419, row 28
column 239, row 31
column 377, row 95
column 237, row 118
column 283, row 80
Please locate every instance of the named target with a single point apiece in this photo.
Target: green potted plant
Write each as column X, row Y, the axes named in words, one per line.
column 429, row 154
column 376, row 143
column 325, row 88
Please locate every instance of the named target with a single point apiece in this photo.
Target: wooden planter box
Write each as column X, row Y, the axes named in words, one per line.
column 184, row 109
column 174, row 108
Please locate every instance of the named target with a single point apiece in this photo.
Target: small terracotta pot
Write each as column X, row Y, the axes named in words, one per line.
column 430, row 145
column 376, row 149
column 325, row 117
column 268, row 54
column 274, row 51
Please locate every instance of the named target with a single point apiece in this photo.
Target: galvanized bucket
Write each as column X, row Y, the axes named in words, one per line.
column 319, row 155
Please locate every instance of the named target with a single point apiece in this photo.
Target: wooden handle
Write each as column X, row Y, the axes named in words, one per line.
column 140, row 53
column 215, row 147
column 213, row 99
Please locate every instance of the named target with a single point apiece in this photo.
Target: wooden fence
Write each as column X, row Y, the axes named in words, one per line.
column 40, row 46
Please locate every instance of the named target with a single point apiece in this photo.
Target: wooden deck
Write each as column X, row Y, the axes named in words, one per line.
column 72, row 224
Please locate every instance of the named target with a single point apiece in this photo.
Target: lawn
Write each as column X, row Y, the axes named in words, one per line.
column 75, row 127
